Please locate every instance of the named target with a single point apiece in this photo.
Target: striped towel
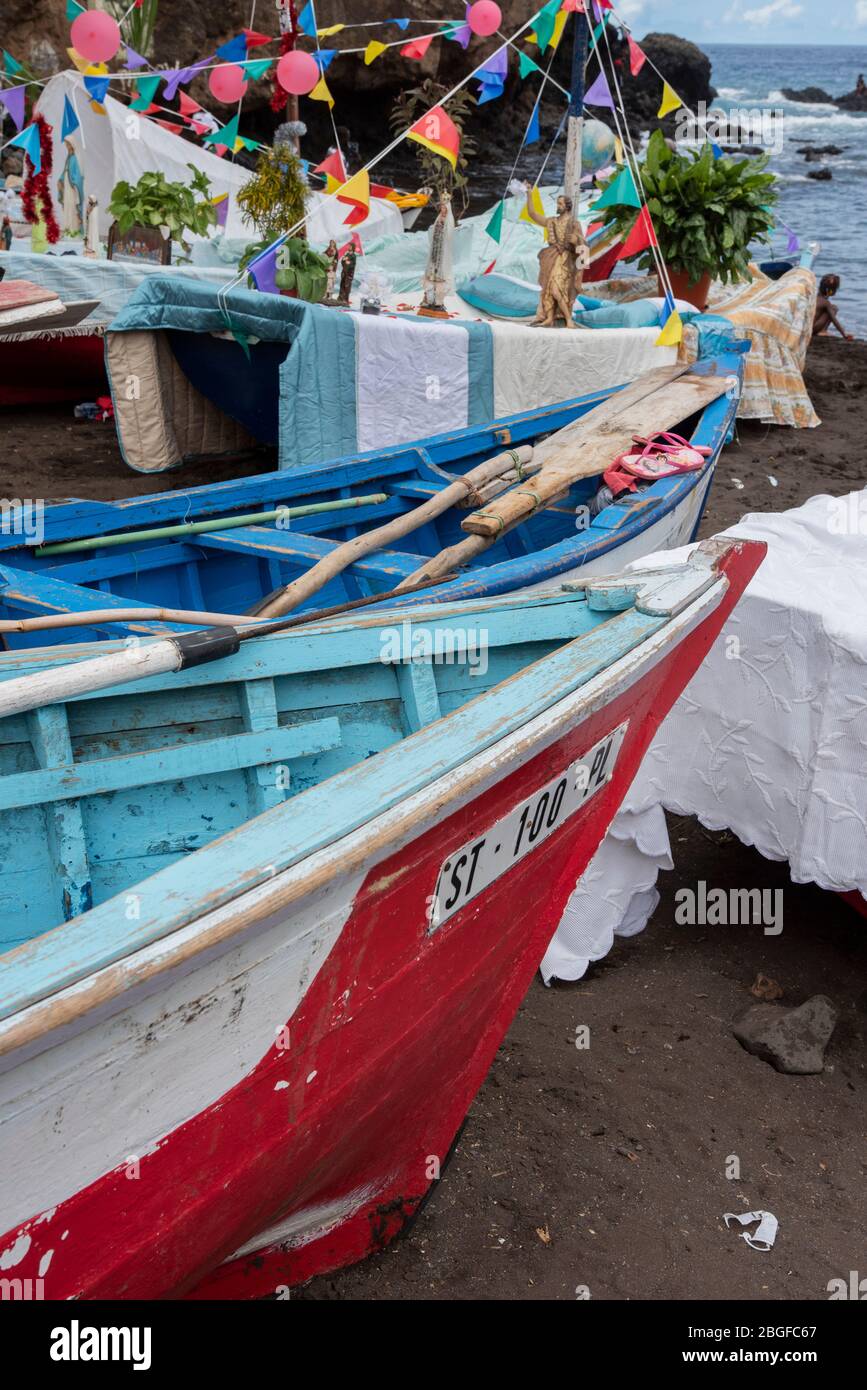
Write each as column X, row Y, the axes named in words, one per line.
column 777, row 317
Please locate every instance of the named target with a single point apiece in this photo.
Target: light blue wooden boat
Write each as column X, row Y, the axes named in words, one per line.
column 94, row 555
column 264, row 921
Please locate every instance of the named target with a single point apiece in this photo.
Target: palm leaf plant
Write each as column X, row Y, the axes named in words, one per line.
column 706, row 212
column 139, row 22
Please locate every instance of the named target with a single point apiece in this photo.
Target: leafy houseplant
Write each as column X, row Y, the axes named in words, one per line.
column 301, row 271
column 705, row 211
column 154, row 202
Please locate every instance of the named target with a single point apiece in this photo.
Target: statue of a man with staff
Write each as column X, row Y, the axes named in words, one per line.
column 562, row 263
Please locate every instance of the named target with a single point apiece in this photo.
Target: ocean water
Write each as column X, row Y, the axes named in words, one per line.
column 751, row 77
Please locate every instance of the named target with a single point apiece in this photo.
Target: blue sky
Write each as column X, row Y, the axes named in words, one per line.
column 750, row 21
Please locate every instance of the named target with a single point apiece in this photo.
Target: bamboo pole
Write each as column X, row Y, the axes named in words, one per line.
column 284, row 600
column 196, row 528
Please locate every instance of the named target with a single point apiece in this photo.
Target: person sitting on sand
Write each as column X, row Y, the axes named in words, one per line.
column 826, row 314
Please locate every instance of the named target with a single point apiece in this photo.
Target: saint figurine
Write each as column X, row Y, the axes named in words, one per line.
column 70, row 187
column 562, row 263
column 91, row 229
column 347, row 274
column 438, row 277
column 332, row 257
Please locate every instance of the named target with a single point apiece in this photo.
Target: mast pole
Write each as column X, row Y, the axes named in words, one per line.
column 575, row 119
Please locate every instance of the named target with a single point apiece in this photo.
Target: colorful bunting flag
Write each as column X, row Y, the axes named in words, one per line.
column 134, row 60
column 618, row 150
column 333, row 169
column 356, row 192
column 226, row 135
column 417, row 48
column 373, row 51
column 637, row 56
column 621, row 190
column 672, row 333
column 599, row 94
column 494, row 228
column 175, row 77
column 668, row 308
column 28, row 139
column 188, row 107
column 321, row 93
column 97, row 88
column 255, row 40
column 10, row 64
column 533, row 133
column 489, row 89
column 536, row 204
column 355, row 242
column 526, row 65
column 436, row 131
column 73, row 10
column 307, row 21
column 235, row 51
column 401, row 23
column 546, row 22
column 327, row 33
column 70, row 119
column 641, row 236
column 263, row 269
column 717, row 152
column 257, row 67
column 145, row 92
column 81, row 63
column 458, row 33
column 323, row 57
column 13, row 99
column 670, row 101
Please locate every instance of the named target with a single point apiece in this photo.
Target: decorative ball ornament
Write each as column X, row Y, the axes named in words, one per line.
column 228, row 83
column 484, row 18
column 95, row 35
column 297, row 73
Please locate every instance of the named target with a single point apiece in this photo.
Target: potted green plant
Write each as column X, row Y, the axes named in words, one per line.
column 706, row 213
column 301, row 273
column 155, row 203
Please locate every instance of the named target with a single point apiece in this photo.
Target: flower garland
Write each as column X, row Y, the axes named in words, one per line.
column 36, row 192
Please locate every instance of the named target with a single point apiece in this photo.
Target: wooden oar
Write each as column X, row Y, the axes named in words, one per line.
column 567, row 461
column 285, row 599
column 593, row 437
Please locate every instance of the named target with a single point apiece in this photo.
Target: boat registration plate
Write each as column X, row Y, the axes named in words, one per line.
column 476, row 865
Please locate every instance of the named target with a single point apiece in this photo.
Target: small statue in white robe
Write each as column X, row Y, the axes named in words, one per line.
column 439, row 276
column 92, row 246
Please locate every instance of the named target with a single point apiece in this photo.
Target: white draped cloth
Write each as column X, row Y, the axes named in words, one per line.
column 769, row 740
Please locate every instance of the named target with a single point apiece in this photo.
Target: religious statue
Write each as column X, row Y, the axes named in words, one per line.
column 91, row 229
column 70, row 188
column 332, row 257
column 347, row 274
column 438, row 277
column 562, row 263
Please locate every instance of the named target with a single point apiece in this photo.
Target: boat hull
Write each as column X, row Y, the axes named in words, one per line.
column 269, row 1093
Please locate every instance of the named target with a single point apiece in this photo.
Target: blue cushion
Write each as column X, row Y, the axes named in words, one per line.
column 639, row 314
column 500, row 295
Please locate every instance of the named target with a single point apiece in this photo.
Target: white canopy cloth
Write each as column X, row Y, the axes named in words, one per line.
column 769, row 739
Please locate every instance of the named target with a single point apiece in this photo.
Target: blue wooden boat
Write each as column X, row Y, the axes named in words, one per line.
column 222, row 548
column 265, row 921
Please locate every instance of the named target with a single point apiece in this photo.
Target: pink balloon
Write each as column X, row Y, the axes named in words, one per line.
column 228, row 82
column 96, row 36
column 484, row 18
column 298, row 73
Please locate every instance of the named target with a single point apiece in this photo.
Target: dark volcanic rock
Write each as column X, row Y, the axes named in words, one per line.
column 821, row 175
column 816, row 151
column 853, row 101
column 811, row 94
column 792, row 1040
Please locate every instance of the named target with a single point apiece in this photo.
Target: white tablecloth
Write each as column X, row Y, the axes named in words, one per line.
column 769, row 740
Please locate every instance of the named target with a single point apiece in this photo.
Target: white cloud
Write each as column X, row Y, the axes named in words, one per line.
column 777, row 9
column 631, row 10
column 861, row 13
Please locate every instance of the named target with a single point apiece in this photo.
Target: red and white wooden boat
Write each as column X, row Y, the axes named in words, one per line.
column 241, row 1065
